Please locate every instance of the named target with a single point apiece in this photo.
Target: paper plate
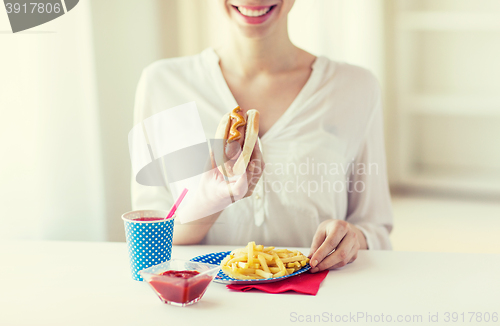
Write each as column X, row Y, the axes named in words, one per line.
column 216, row 258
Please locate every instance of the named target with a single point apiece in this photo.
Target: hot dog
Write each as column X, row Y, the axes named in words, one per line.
column 240, row 131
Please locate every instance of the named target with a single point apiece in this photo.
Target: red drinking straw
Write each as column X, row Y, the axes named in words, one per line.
column 177, row 203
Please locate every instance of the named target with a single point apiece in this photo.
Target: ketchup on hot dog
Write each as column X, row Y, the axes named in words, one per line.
column 234, row 142
column 240, row 130
column 234, row 133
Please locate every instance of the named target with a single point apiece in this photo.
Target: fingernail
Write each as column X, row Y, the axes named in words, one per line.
column 314, row 263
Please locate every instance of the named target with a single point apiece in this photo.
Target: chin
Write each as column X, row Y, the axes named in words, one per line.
column 255, row 32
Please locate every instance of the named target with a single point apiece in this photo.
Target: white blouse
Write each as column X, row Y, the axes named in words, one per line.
column 324, row 157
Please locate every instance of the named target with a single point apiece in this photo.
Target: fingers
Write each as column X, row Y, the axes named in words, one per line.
column 253, row 176
column 240, row 187
column 318, row 239
column 256, row 156
column 233, row 150
column 334, row 234
column 342, row 255
column 246, row 183
column 258, row 167
column 354, row 255
column 254, row 170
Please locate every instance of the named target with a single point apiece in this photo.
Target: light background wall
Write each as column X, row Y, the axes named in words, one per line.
column 51, row 176
column 124, row 43
column 442, row 82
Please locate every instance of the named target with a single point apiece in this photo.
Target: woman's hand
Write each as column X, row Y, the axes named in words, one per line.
column 213, row 196
column 340, row 235
column 215, row 192
column 254, row 170
column 245, row 185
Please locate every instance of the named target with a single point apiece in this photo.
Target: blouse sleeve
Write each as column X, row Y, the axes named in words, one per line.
column 369, row 201
column 147, row 197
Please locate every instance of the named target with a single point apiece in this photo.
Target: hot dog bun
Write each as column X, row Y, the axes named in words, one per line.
column 228, row 167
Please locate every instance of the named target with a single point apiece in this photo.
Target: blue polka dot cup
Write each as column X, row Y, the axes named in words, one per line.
column 149, row 239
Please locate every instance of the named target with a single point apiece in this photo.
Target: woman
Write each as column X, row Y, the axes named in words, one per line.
column 324, row 184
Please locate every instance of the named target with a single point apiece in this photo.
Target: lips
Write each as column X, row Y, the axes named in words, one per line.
column 254, row 14
column 253, row 11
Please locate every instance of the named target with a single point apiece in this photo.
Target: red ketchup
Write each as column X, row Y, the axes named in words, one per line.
column 180, row 286
column 148, row 219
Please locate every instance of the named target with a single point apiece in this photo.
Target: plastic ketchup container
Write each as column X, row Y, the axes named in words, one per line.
column 178, row 282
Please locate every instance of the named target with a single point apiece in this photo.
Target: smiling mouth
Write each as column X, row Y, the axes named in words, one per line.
column 254, row 13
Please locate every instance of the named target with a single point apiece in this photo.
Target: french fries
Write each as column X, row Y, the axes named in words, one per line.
column 259, row 262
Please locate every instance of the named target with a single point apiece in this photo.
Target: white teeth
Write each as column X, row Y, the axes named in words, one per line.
column 253, row 13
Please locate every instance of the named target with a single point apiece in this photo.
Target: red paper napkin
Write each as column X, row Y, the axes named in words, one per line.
column 306, row 283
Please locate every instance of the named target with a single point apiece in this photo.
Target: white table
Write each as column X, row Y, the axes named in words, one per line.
column 75, row 283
